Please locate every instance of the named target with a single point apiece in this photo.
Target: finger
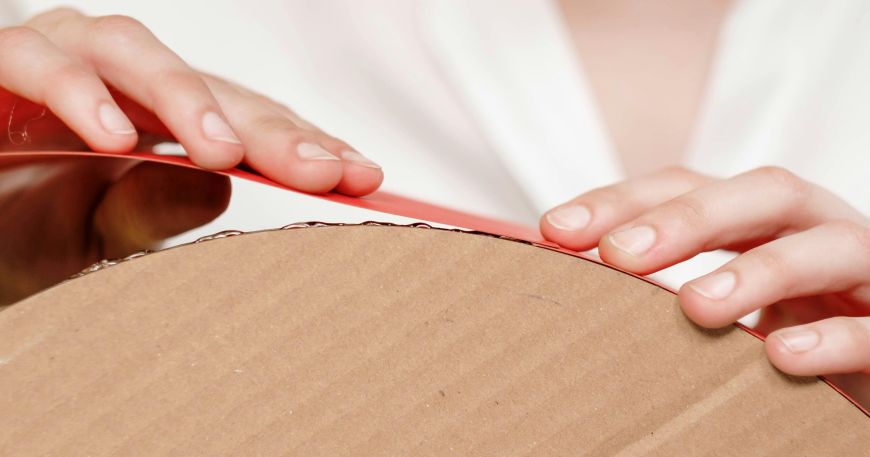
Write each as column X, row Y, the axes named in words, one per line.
column 745, row 210
column 129, row 57
column 580, row 223
column 833, row 257
column 835, row 345
column 37, row 70
column 266, row 101
column 152, row 202
column 146, row 122
column 360, row 175
column 299, row 157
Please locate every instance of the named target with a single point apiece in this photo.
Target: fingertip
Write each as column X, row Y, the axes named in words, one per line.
column 701, row 310
column 215, row 146
column 225, row 148
column 113, row 144
column 217, row 156
column 566, row 226
column 550, row 233
column 313, row 176
column 613, row 255
column 208, row 138
column 786, row 359
column 562, row 238
column 359, row 180
column 777, row 354
column 117, row 134
column 103, row 127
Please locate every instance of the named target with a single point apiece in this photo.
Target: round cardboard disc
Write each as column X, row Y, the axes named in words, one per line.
column 364, row 340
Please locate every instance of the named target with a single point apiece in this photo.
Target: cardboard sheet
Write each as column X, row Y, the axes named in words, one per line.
column 390, row 341
column 367, row 340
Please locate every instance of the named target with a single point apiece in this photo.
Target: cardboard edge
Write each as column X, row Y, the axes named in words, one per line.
column 103, row 265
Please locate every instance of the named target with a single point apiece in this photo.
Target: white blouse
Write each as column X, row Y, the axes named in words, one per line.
column 481, row 105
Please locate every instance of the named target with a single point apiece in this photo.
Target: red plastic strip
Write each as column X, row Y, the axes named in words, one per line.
column 379, row 201
column 388, row 203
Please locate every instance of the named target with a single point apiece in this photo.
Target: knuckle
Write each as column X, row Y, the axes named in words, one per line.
column 679, row 172
column 611, row 195
column 783, row 179
column 167, row 86
column 769, row 260
column 684, row 175
column 17, row 37
column 687, row 209
column 774, row 172
column 61, row 79
column 287, row 112
column 857, row 333
column 280, row 107
column 284, row 131
column 271, row 104
column 63, row 10
column 794, row 190
column 332, row 143
column 54, row 17
column 58, row 13
column 857, row 234
column 274, row 122
column 117, row 27
column 179, row 79
column 66, row 75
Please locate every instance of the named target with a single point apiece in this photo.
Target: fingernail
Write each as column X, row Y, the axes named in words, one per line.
column 310, row 151
column 359, row 159
column 114, row 120
column 799, row 341
column 634, row 241
column 217, row 129
column 716, row 286
column 569, row 218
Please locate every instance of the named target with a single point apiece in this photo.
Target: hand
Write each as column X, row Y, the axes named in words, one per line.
column 804, row 256
column 108, row 83
column 68, row 81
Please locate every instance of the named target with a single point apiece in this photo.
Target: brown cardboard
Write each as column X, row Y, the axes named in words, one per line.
column 391, row 341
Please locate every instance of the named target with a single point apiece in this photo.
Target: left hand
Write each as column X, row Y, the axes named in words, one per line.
column 74, row 82
column 107, row 84
column 804, row 256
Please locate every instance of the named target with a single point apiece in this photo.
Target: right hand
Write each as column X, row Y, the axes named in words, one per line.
column 110, row 85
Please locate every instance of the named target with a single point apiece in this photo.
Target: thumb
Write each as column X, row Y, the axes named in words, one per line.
column 152, row 202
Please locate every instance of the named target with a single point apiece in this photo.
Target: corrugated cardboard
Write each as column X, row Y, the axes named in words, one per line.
column 391, row 341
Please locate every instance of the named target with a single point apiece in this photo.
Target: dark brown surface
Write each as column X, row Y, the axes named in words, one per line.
column 391, row 341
